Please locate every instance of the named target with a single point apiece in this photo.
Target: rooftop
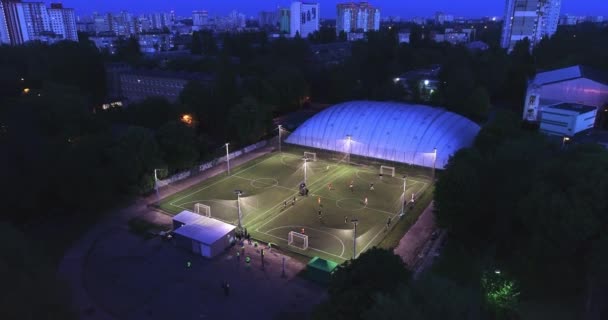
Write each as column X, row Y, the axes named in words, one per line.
column 200, row 228
column 573, row 107
column 570, row 73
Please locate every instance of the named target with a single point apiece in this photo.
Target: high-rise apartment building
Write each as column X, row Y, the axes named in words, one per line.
column 284, row 20
column 37, row 19
column 14, row 17
column 63, row 21
column 25, row 21
column 357, row 17
column 199, row 19
column 532, row 19
column 304, row 18
column 4, row 37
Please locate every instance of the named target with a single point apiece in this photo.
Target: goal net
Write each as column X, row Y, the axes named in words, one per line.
column 298, row 240
column 310, row 155
column 384, row 170
column 202, row 209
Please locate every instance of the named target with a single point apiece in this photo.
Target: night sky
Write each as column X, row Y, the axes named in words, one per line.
column 402, row 8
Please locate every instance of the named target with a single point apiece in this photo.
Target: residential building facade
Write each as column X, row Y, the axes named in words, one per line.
column 304, row 18
column 357, row 17
column 531, row 19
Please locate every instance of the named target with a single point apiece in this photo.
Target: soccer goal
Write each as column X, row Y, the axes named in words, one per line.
column 297, row 240
column 310, row 155
column 384, row 170
column 202, row 209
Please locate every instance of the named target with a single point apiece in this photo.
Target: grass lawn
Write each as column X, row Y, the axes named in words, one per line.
column 271, row 183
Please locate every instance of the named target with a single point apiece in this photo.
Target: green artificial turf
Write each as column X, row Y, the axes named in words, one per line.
column 270, row 181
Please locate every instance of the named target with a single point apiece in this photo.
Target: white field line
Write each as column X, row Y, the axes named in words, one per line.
column 221, row 180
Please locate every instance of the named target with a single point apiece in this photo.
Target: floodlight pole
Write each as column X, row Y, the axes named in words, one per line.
column 156, row 183
column 348, row 142
column 434, row 161
column 228, row 158
column 238, row 205
column 403, row 202
column 305, row 174
column 355, row 221
column 280, row 129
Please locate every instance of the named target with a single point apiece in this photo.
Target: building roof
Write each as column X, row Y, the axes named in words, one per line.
column 201, row 228
column 573, row 107
column 398, row 132
column 570, row 73
column 322, row 264
column 155, row 73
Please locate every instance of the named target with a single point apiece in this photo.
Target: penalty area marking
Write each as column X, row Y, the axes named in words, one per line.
column 308, row 228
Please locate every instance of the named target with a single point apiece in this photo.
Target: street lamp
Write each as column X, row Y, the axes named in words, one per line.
column 305, row 162
column 403, row 202
column 239, row 193
column 228, row 158
column 564, row 140
column 355, row 221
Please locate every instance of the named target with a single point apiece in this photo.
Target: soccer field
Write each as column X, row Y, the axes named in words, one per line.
column 270, row 184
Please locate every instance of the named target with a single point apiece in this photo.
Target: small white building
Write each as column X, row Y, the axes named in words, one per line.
column 202, row 235
column 567, row 119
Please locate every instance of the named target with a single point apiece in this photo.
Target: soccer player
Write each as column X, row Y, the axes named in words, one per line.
column 345, row 219
column 371, row 187
column 303, row 231
column 365, row 201
column 330, row 186
column 351, row 187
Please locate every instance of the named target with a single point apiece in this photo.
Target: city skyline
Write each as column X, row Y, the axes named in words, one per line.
column 467, row 8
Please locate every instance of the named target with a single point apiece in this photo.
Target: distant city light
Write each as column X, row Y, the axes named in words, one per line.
column 26, row 90
column 426, row 82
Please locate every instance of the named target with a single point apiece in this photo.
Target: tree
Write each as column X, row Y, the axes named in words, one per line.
column 250, row 120
column 129, row 50
column 178, row 144
column 477, row 104
column 353, row 287
column 196, row 46
column 134, row 156
column 430, row 298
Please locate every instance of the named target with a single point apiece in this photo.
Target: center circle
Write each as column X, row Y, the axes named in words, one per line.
column 350, row 204
column 263, row 183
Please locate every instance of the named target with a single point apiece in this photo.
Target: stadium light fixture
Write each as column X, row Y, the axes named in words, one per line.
column 305, row 162
column 349, row 140
column 239, row 193
column 228, row 157
column 403, row 202
column 355, row 222
column 156, row 182
column 280, row 128
column 426, row 82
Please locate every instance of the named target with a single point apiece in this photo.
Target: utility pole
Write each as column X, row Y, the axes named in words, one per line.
column 434, row 161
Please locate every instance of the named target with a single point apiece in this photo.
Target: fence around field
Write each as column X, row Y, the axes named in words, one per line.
column 210, row 164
